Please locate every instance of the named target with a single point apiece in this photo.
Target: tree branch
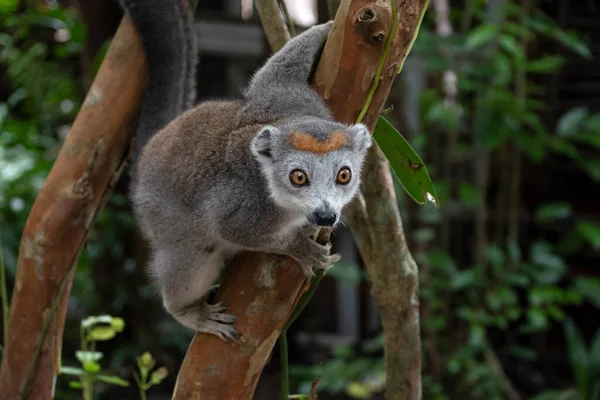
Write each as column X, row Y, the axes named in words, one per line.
column 272, row 21
column 88, row 164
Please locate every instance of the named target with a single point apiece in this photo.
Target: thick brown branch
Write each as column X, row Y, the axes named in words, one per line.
column 213, row 369
column 63, row 213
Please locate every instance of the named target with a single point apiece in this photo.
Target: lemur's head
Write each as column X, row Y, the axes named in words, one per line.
column 312, row 165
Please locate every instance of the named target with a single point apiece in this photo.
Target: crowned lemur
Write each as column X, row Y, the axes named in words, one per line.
column 259, row 173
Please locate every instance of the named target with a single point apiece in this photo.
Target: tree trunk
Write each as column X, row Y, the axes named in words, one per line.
column 87, row 167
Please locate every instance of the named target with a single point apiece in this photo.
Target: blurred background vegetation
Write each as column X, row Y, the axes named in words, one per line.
column 505, row 110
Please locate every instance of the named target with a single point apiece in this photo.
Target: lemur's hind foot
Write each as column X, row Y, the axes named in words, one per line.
column 212, row 320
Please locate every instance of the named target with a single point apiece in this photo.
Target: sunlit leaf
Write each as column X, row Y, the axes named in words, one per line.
column 88, row 356
column 357, row 390
column 96, row 319
column 92, row 367
column 113, row 380
column 70, row 371
column 101, row 333
column 406, row 164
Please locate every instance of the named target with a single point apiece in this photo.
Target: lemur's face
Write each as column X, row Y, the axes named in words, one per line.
column 313, row 167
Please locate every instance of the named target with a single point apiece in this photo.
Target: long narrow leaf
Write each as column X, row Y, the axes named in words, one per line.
column 406, row 164
column 578, row 355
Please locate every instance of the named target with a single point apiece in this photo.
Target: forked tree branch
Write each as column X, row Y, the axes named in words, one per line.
column 262, row 289
column 88, row 165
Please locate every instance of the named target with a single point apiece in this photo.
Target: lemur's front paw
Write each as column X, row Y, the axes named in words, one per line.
column 314, row 255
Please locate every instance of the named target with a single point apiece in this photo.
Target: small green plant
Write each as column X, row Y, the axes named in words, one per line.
column 145, row 364
column 586, row 367
column 94, row 329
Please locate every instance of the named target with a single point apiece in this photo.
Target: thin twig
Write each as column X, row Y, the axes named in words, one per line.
column 285, row 374
column 4, row 292
column 290, row 21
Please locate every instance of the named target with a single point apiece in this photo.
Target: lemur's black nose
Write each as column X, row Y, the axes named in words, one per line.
column 325, row 218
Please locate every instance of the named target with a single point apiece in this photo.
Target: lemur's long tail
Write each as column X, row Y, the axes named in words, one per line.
column 166, row 29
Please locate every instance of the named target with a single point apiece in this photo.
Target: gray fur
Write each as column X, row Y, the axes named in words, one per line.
column 216, row 181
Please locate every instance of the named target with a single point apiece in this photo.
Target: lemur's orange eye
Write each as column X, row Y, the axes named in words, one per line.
column 344, row 175
column 298, row 177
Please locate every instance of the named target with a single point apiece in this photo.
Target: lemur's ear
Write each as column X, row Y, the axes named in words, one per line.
column 361, row 137
column 262, row 143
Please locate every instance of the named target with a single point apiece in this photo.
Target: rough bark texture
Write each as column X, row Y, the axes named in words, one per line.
column 213, row 369
column 86, row 168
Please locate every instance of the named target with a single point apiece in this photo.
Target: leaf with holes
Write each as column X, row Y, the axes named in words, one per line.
column 406, row 164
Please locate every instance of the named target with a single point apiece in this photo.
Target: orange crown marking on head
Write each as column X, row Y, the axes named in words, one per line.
column 306, row 142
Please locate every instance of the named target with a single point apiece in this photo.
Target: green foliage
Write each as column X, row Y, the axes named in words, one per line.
column 520, row 289
column 145, row 378
column 99, row 329
column 346, row 372
column 586, row 367
column 37, row 49
column 92, row 330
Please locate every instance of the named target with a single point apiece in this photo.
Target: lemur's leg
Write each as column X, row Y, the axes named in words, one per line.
column 186, row 276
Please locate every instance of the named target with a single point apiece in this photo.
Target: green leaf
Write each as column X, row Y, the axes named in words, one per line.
column 88, row 356
column 8, row 6
column 574, row 43
column 101, row 333
column 92, row 366
column 571, row 122
column 589, row 288
column 591, row 233
column 118, row 324
column 546, row 64
column 70, row 371
column 511, row 46
column 537, row 319
column 113, row 380
column 578, row 353
column 159, row 375
column 406, row 164
column 480, row 36
column 463, row 279
column 358, row 390
column 553, row 267
column 75, row 385
column 553, row 211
